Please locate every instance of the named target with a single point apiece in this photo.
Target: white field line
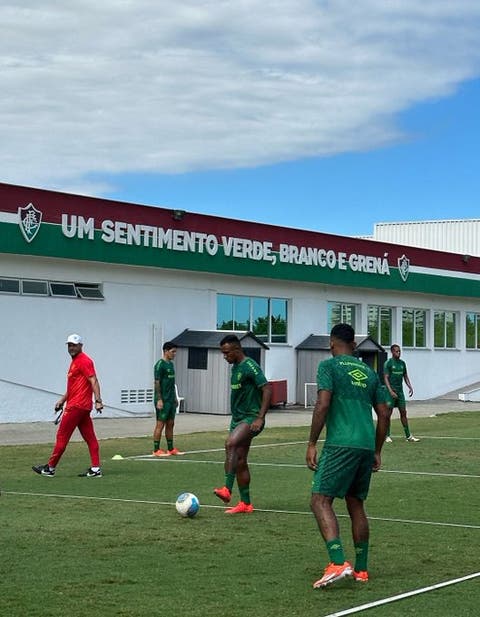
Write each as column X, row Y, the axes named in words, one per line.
column 177, row 459
column 457, row 438
column 253, row 446
column 432, row 473
column 90, row 498
column 268, row 511
column 401, row 596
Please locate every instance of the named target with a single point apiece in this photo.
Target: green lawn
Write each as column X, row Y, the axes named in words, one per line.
column 115, row 546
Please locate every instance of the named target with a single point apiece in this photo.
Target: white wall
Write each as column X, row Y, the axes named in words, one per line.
column 145, row 306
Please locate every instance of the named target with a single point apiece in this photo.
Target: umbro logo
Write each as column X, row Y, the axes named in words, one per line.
column 358, row 375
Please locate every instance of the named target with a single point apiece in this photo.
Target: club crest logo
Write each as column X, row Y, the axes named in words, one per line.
column 403, row 267
column 29, row 219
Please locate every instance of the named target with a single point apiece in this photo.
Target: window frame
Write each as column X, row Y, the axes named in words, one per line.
column 254, row 315
column 344, row 306
column 476, row 330
column 415, row 311
column 379, row 308
column 445, row 327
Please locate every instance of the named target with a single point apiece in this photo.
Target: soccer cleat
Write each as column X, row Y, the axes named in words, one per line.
column 175, row 452
column 388, row 439
column 240, row 508
column 333, row 573
column 161, row 452
column 44, row 470
column 360, row 576
column 224, row 493
column 412, row 438
column 91, row 474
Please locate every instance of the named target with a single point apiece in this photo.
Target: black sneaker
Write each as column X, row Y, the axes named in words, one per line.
column 44, row 470
column 91, row 474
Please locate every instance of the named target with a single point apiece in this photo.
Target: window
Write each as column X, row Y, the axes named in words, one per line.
column 338, row 312
column 35, row 288
column 444, row 323
column 198, row 358
column 64, row 290
column 278, row 320
column 267, row 318
column 472, row 331
column 9, row 286
column 414, row 327
column 87, row 291
column 260, row 318
column 380, row 324
column 58, row 289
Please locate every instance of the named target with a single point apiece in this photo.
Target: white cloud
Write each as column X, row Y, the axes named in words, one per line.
column 124, row 86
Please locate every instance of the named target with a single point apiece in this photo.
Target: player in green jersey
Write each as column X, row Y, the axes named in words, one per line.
column 249, row 400
column 165, row 401
column 347, row 391
column 394, row 374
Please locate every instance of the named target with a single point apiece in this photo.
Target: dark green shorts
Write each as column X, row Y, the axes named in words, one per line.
column 343, row 471
column 248, row 420
column 398, row 401
column 167, row 412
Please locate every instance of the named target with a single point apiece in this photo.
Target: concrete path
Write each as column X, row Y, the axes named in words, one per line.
column 44, row 432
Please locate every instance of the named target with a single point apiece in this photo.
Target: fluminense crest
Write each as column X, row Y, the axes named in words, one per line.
column 403, row 267
column 29, row 219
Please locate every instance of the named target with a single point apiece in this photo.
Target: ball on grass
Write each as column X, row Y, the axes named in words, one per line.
column 187, row 505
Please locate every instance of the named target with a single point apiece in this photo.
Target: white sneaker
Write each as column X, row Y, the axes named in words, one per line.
column 412, row 438
column 388, row 440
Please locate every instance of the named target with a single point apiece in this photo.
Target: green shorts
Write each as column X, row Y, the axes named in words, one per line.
column 248, row 420
column 398, row 401
column 343, row 471
column 167, row 412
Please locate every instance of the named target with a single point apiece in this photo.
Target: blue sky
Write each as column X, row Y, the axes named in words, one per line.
column 433, row 173
column 315, row 114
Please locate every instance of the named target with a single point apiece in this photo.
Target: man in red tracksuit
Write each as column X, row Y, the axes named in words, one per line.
column 82, row 383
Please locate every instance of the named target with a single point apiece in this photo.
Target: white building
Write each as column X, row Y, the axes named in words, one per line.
column 454, row 236
column 128, row 277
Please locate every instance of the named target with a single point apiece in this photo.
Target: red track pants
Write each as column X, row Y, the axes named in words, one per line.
column 75, row 418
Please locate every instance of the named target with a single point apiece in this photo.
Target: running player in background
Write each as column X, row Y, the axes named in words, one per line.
column 165, row 401
column 347, row 391
column 394, row 373
column 82, row 383
column 250, row 399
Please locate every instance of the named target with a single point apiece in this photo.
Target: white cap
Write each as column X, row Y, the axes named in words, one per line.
column 76, row 339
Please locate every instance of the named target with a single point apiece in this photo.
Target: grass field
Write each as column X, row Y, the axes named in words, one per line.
column 115, row 546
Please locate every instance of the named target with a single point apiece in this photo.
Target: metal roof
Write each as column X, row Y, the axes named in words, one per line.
column 317, row 342
column 211, row 338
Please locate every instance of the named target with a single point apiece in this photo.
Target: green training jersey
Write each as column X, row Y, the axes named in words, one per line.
column 164, row 373
column 247, row 380
column 395, row 369
column 355, row 388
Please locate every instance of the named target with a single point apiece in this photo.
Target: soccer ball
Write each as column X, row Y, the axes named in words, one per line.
column 187, row 505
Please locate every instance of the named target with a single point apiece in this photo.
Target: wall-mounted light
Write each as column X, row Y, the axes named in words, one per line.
column 177, row 215
column 465, row 259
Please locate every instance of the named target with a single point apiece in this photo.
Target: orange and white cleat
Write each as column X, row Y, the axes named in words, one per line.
column 333, row 573
column 160, row 452
column 240, row 508
column 175, row 452
column 361, row 576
